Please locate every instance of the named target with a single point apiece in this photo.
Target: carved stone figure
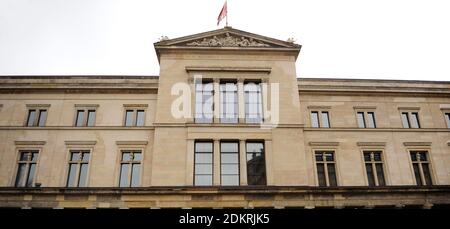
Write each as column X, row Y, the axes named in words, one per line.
column 228, row 40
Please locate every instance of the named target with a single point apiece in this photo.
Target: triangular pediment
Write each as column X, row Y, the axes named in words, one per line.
column 227, row 37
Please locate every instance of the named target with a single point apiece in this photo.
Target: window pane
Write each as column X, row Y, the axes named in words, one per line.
column 203, row 158
column 230, row 169
column 72, row 175
column 367, row 156
column 204, row 101
column 42, row 117
column 405, row 120
column 377, row 156
column 129, row 118
column 315, row 119
column 423, row 156
column 203, row 180
column 137, row 156
column 332, row 174
column 80, row 117
column 230, row 180
column 229, row 158
column 321, row 175
column 319, row 156
column 370, row 175
column 30, row 179
column 91, row 118
column 228, row 103
column 21, row 175
column 380, row 174
column 25, row 156
column 329, row 156
column 136, row 175
column 75, row 156
column 126, row 156
column 140, row 118
column 415, row 120
column 371, row 121
column 413, row 156
column 203, row 169
column 203, row 147
column 417, row 174
column 447, row 119
column 124, row 169
column 325, row 120
column 229, row 147
column 86, row 157
column 83, row 175
column 31, row 117
column 426, row 173
column 256, row 165
column 253, row 103
column 360, row 117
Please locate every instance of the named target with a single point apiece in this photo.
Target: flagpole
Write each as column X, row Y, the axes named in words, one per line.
column 226, row 21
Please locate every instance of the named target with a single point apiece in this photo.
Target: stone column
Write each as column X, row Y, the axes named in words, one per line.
column 241, row 100
column 216, row 165
column 269, row 162
column 216, row 84
column 242, row 163
column 190, row 162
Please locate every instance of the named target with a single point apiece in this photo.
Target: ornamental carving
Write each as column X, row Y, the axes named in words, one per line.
column 228, row 41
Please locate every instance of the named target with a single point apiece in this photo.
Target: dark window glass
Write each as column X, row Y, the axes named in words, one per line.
column 361, row 122
column 21, row 174
column 130, row 169
column 228, row 103
column 26, row 169
column 332, row 174
column 321, row 175
column 42, row 117
column 417, row 173
column 253, row 103
column 229, row 164
column 256, row 164
column 315, row 119
column 140, row 118
column 31, row 175
column 91, row 118
column 325, row 120
column 380, row 174
column 78, row 168
column 326, row 168
column 426, row 173
column 370, row 175
column 447, row 119
column 203, row 166
column 371, row 120
column 80, row 118
column 405, row 120
column 204, row 101
column 31, row 117
column 415, row 120
column 129, row 117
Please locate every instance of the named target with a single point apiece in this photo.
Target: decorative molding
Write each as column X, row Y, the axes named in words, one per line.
column 87, row 105
column 371, row 143
column 409, row 108
column 135, row 105
column 448, row 143
column 131, row 142
column 81, row 142
column 417, row 143
column 319, row 107
column 30, row 142
column 364, row 107
column 445, row 107
column 266, row 70
column 38, row 105
column 228, row 40
column 324, row 143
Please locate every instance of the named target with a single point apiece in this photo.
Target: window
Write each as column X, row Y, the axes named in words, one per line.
column 78, row 168
column 229, row 163
column 203, row 168
column 134, row 117
column 256, row 163
column 366, row 119
column 326, row 170
column 85, row 117
column 253, row 103
column 410, row 120
column 228, row 102
column 130, row 169
column 322, row 116
column 204, row 101
column 447, row 119
column 26, row 168
column 421, row 167
column 36, row 117
column 374, row 168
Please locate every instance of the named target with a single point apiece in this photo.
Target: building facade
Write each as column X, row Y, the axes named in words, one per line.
column 226, row 124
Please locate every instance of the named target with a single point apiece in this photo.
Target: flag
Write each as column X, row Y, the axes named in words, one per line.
column 223, row 13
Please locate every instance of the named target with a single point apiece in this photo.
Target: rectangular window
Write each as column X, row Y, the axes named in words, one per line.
column 78, row 168
column 36, row 117
column 366, row 119
column 374, row 168
column 253, row 103
column 228, row 102
column 447, row 119
column 130, row 169
column 203, row 167
column 326, row 170
column 421, row 166
column 85, row 117
column 256, row 163
column 204, row 101
column 410, row 120
column 134, row 117
column 320, row 119
column 229, row 163
column 26, row 168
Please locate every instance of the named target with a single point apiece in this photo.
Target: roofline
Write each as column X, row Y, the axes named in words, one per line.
column 373, row 80
column 78, row 77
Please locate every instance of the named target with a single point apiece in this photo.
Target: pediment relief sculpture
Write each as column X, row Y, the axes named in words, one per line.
column 228, row 41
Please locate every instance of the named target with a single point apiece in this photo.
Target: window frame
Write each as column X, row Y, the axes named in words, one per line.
column 213, row 105
column 383, row 162
column 68, row 162
column 212, row 162
column 223, row 102
column 261, row 98
column 38, row 109
column 430, row 162
column 265, row 161
column 19, row 151
column 336, row 167
column 134, row 108
column 238, row 161
column 409, row 112
column 320, row 117
column 119, row 166
column 85, row 109
column 366, row 118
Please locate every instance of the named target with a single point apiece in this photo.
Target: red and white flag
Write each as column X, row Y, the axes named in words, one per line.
column 223, row 13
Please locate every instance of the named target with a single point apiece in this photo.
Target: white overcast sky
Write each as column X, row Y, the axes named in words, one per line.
column 380, row 39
